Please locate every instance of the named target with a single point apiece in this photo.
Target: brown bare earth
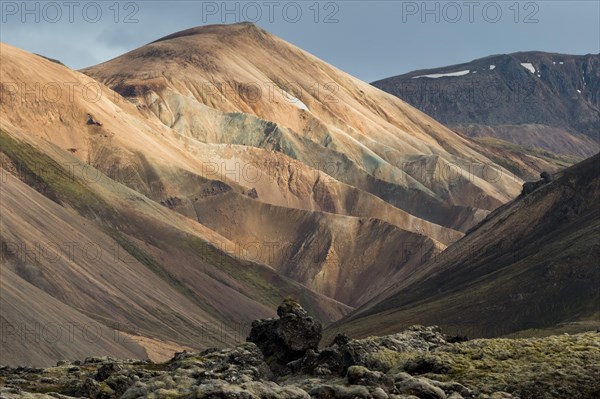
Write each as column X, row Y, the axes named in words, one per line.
column 158, row 350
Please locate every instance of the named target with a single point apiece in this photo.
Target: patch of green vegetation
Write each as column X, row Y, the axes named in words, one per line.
column 246, row 272
column 564, row 160
column 161, row 272
column 169, row 394
column 509, row 165
column 534, row 368
column 186, row 362
column 151, row 366
column 387, row 359
column 57, row 182
column 60, row 389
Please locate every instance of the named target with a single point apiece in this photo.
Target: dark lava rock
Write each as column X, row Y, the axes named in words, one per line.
column 288, row 338
column 171, row 202
column 252, row 193
column 530, row 186
column 359, row 375
column 106, row 371
column 340, row 340
column 88, row 389
column 215, row 188
column 451, row 339
column 92, row 121
column 546, row 176
column 425, row 365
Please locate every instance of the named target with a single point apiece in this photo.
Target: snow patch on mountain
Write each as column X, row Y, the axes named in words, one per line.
column 442, row 75
column 529, row 66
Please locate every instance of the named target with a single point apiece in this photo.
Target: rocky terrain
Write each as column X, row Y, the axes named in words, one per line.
column 541, row 104
column 282, row 360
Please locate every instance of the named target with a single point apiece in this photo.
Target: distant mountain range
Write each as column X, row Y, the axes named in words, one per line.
column 536, row 100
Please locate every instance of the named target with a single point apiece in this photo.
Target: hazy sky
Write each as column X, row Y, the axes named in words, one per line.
column 369, row 39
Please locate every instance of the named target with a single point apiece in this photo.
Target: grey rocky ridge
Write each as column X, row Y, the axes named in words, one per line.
column 282, row 359
column 535, row 99
column 531, row 111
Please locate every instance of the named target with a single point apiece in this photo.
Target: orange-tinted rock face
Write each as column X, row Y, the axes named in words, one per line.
column 218, row 202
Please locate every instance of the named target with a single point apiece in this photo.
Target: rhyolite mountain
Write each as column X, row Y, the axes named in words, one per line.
column 533, row 99
column 90, row 264
column 531, row 267
column 172, row 212
column 350, row 176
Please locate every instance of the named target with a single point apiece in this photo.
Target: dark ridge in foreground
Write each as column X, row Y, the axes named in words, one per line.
column 283, row 361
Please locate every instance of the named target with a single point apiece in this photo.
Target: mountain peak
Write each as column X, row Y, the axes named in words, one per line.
column 215, row 29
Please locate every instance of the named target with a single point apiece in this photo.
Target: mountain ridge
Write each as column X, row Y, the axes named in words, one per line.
column 511, row 97
column 355, row 134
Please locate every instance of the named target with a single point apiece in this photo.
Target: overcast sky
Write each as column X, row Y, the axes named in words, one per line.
column 368, row 39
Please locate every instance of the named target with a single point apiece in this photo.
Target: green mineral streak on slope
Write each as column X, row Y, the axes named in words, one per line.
column 248, row 273
column 261, row 283
column 47, row 176
column 156, row 268
column 51, row 179
column 563, row 160
column 54, row 181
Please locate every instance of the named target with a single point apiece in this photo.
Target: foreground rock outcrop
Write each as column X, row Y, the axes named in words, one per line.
column 419, row 363
column 288, row 338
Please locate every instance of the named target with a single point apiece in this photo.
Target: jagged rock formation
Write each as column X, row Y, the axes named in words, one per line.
column 530, row 186
column 418, row 363
column 288, row 338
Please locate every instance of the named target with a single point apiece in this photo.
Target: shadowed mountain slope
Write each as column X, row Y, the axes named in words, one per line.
column 531, row 264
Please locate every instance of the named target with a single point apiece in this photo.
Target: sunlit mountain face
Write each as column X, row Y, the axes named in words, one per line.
column 220, row 213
